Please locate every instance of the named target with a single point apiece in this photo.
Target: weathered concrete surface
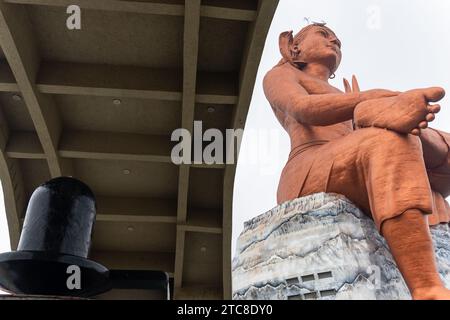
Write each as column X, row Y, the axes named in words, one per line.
column 321, row 247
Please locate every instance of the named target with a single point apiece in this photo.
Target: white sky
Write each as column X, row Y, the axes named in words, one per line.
column 402, row 48
column 389, row 44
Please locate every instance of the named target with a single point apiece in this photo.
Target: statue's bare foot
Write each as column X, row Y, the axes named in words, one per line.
column 432, row 293
column 417, row 100
column 409, row 112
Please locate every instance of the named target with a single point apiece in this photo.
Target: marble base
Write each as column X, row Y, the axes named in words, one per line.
column 321, row 247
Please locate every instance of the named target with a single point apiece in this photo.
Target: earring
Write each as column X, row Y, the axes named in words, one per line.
column 295, row 53
column 333, row 76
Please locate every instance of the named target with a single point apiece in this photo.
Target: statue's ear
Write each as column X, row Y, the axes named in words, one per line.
column 285, row 42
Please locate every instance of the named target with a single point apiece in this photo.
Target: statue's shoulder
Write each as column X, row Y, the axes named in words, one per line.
column 282, row 70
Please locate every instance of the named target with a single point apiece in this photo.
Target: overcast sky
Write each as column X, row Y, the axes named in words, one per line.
column 391, row 44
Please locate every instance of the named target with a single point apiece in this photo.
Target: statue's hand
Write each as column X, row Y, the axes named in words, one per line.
column 369, row 94
column 408, row 112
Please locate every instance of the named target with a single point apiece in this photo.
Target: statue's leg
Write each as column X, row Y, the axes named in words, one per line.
column 411, row 246
column 419, row 270
column 436, row 147
column 384, row 173
column 440, row 176
column 436, row 153
column 381, row 171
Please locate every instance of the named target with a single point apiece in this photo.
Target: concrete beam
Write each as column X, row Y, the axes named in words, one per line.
column 116, row 260
column 130, row 210
column 97, row 145
column 115, row 146
column 12, row 183
column 253, row 53
column 146, row 8
column 24, row 145
column 132, row 82
column 21, row 52
column 7, row 81
column 190, row 60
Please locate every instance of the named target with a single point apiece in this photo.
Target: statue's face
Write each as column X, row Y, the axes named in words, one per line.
column 321, row 46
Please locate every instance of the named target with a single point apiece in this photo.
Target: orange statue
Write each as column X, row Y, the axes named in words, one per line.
column 372, row 146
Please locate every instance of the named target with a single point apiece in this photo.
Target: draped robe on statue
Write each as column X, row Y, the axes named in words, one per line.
column 381, row 171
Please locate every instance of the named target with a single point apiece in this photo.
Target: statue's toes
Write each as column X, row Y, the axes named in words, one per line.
column 430, row 117
column 434, row 94
column 435, row 108
column 416, row 132
column 423, row 125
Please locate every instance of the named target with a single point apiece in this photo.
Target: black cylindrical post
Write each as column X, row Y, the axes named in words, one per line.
column 52, row 256
column 60, row 218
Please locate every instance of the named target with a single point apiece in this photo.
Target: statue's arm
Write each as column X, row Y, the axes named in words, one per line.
column 285, row 93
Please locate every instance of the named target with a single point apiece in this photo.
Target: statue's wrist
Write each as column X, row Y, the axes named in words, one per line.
column 359, row 97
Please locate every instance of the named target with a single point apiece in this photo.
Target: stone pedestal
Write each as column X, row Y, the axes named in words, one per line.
column 321, row 247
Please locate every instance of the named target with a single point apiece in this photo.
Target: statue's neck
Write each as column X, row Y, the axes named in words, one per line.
column 318, row 71
column 312, row 84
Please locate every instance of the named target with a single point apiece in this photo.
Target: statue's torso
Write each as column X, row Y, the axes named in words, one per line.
column 305, row 139
column 301, row 133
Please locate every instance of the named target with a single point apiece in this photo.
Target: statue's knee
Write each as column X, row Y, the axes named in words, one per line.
column 391, row 141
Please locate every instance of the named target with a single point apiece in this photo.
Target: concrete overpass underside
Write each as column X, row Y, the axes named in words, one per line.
column 100, row 104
